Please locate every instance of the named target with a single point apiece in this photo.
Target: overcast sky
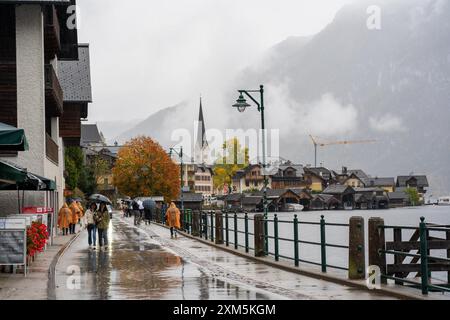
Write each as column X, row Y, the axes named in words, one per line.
column 148, row 54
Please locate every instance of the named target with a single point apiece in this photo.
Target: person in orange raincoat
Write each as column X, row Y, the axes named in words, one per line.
column 75, row 216
column 64, row 219
column 173, row 219
column 80, row 206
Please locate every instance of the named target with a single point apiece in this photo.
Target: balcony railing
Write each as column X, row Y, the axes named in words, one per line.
column 53, row 93
column 51, row 149
column 52, row 33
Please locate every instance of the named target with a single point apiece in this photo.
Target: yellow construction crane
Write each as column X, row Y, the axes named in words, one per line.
column 324, row 143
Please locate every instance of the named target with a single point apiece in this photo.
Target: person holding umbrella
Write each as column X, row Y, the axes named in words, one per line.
column 173, row 219
column 89, row 222
column 102, row 219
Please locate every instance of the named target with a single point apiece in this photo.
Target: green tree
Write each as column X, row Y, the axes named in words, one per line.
column 413, row 195
column 233, row 158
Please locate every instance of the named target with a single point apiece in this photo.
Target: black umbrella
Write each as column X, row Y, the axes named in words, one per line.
column 149, row 204
column 100, row 198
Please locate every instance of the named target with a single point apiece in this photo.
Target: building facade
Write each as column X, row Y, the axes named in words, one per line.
column 34, row 37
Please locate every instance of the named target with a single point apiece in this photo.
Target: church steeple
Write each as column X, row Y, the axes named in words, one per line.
column 201, row 146
column 201, row 138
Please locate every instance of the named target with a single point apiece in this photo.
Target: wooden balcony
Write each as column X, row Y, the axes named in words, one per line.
column 51, row 149
column 52, row 33
column 53, row 93
column 8, row 93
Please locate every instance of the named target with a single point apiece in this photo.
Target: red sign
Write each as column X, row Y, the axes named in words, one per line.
column 37, row 210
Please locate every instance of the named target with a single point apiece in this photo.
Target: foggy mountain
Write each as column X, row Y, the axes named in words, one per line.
column 351, row 83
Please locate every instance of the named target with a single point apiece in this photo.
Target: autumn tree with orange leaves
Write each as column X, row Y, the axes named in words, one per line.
column 143, row 169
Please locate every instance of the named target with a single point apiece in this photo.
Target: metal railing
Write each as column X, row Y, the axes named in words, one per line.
column 296, row 241
column 426, row 260
column 236, row 231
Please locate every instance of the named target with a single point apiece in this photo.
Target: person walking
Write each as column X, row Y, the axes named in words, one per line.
column 64, row 219
column 89, row 222
column 173, row 219
column 102, row 220
column 75, row 216
column 81, row 214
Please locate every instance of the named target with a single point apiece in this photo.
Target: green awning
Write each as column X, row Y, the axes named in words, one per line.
column 13, row 177
column 12, row 139
column 50, row 185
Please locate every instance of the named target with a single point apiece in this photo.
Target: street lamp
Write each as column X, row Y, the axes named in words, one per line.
column 241, row 104
column 180, row 155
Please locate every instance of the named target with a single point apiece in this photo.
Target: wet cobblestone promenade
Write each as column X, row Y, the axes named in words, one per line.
column 144, row 263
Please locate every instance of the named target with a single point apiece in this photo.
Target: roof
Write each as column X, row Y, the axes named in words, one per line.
column 75, row 77
column 191, row 197
column 422, row 180
column 372, row 189
column 358, row 172
column 90, row 134
column 251, row 200
column 322, row 172
column 338, row 189
column 327, row 198
column 299, row 171
column 379, row 182
column 397, row 195
column 233, row 197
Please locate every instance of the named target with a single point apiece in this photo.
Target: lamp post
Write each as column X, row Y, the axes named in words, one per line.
column 241, row 104
column 180, row 155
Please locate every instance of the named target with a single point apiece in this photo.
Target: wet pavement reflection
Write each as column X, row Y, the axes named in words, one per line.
column 135, row 266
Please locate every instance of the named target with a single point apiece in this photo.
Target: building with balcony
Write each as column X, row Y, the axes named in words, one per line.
column 34, row 38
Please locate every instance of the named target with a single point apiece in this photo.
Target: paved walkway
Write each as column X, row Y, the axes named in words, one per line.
column 232, row 268
column 34, row 285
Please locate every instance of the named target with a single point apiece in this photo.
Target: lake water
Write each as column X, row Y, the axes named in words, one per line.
column 409, row 216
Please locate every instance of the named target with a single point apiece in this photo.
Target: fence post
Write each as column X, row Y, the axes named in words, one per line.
column 196, row 223
column 356, row 249
column 205, row 224
column 377, row 245
column 227, row 236
column 275, row 236
column 246, row 231
column 212, row 226
column 423, row 255
column 235, row 231
column 219, row 228
column 323, row 247
column 259, row 235
column 296, row 257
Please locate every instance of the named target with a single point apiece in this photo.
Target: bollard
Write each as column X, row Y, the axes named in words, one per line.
column 219, row 228
column 323, row 245
column 246, row 232
column 259, row 235
column 377, row 245
column 423, row 255
column 205, row 225
column 356, row 249
column 196, row 224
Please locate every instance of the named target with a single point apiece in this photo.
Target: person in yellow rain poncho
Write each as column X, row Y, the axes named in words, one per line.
column 173, row 219
column 64, row 219
column 80, row 218
column 75, row 216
